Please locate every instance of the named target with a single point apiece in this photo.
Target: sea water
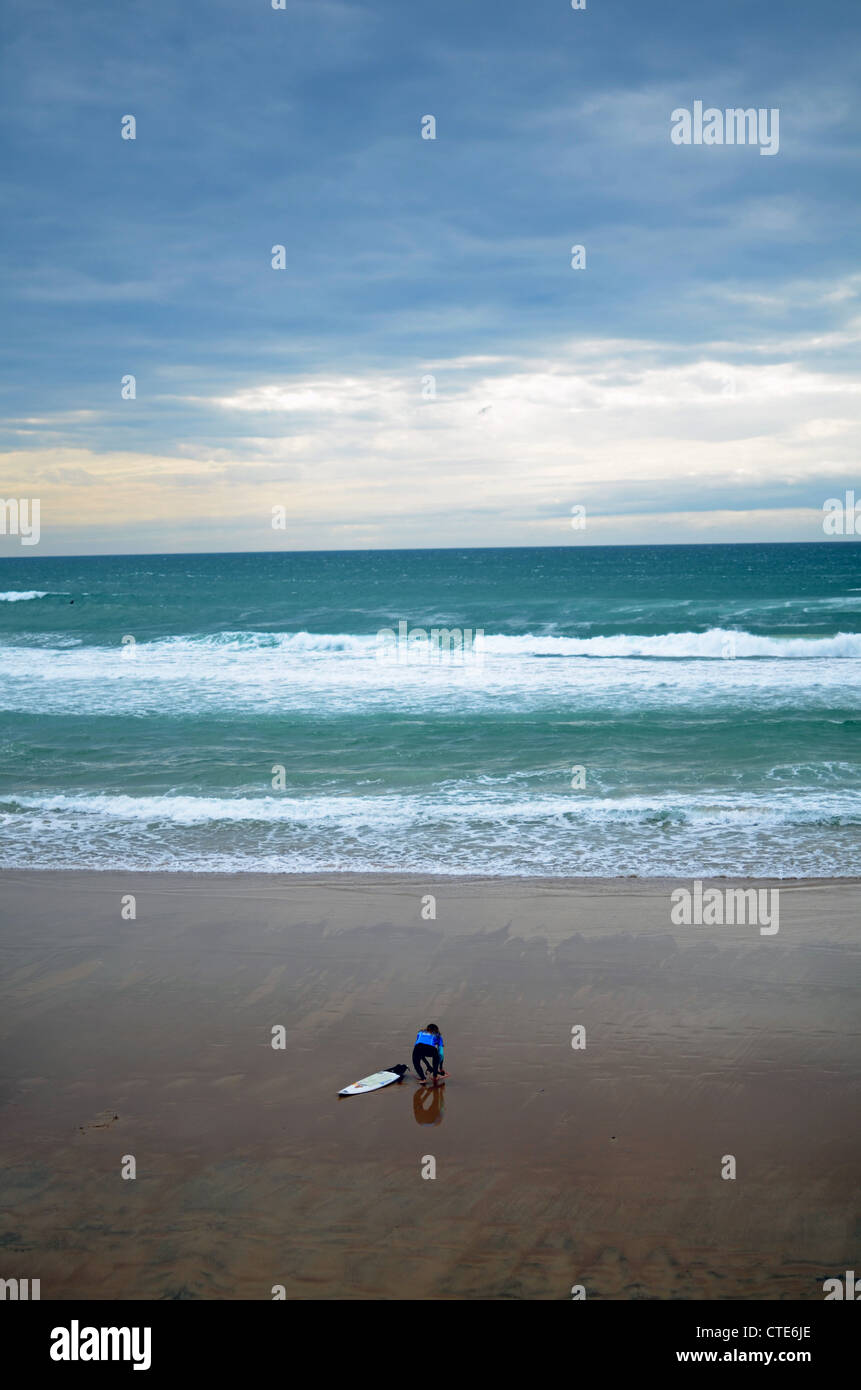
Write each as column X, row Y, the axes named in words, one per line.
column 679, row 710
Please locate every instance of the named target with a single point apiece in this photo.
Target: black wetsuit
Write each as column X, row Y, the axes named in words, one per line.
column 423, row 1052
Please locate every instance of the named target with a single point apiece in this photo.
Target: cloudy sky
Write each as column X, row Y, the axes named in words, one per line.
column 428, row 369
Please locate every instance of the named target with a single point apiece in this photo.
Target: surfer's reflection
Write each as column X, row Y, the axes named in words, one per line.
column 428, row 1104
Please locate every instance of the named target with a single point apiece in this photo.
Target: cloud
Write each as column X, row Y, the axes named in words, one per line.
column 706, row 357
column 504, row 449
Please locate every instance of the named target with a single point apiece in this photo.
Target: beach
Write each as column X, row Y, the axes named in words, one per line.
column 430, row 627
column 596, row 1166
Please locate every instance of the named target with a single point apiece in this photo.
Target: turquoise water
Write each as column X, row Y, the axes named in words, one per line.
column 710, row 695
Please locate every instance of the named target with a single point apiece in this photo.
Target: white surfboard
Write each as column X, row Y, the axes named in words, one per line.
column 370, row 1083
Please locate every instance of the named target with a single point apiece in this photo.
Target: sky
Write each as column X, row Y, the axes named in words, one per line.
column 428, row 369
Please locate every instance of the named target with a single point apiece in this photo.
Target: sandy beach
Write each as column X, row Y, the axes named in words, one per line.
column 555, row 1166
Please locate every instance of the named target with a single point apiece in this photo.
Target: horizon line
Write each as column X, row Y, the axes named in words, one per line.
column 423, row 549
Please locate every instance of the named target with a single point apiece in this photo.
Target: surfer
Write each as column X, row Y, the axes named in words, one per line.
column 429, row 1049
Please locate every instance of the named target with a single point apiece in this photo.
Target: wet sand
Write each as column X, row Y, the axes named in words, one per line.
column 151, row 1038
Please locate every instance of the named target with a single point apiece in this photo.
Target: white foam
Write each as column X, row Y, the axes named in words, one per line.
column 337, row 675
column 714, row 644
column 461, row 829
column 717, row 643
column 457, row 802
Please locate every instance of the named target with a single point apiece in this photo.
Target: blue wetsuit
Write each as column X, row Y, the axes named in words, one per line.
column 430, row 1049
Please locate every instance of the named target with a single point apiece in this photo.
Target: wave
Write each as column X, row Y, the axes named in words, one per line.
column 300, row 642
column 717, row 643
column 714, row 644
column 19, row 595
column 340, row 675
column 458, row 803
column 460, row 830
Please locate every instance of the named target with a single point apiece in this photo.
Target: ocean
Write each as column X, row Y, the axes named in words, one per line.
column 645, row 710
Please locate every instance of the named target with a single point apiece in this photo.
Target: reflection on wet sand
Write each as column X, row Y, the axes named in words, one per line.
column 429, row 1104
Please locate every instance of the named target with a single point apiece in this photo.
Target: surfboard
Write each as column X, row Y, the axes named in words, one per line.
column 370, row 1083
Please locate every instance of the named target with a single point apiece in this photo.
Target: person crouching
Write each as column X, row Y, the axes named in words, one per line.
column 429, row 1051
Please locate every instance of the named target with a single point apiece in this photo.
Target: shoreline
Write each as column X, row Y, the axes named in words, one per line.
column 152, row 1038
column 416, row 876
